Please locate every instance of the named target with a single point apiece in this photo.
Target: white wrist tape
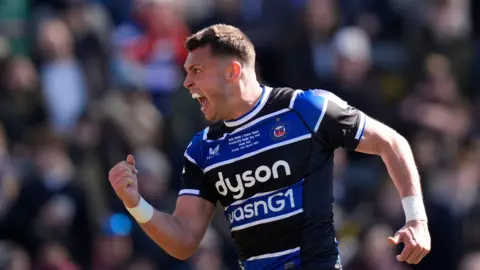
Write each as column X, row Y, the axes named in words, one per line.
column 414, row 208
column 143, row 212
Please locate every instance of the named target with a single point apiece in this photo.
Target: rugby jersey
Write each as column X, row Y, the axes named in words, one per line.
column 272, row 171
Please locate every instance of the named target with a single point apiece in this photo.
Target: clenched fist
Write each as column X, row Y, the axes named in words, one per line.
column 123, row 178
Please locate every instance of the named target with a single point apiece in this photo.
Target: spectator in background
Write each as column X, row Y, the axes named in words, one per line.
column 335, row 58
column 149, row 54
column 471, row 262
column 154, row 169
column 55, row 256
column 51, row 207
column 353, row 78
column 63, row 81
column 112, row 250
column 13, row 257
column 259, row 19
column 89, row 28
column 141, row 263
column 4, row 48
column 444, row 28
column 310, row 56
column 130, row 121
column 9, row 185
column 21, row 101
column 209, row 256
column 437, row 99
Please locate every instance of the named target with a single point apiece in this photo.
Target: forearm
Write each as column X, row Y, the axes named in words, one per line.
column 395, row 151
column 171, row 235
column 398, row 158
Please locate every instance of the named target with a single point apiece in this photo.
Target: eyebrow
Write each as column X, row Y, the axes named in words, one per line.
column 190, row 67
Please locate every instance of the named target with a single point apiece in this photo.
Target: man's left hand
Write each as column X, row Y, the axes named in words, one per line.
column 417, row 241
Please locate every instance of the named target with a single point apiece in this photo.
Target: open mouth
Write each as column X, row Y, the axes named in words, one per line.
column 202, row 100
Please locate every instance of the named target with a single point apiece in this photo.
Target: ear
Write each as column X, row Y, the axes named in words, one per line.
column 233, row 71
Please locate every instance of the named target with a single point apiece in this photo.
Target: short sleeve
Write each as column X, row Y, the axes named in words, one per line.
column 342, row 125
column 194, row 181
column 332, row 119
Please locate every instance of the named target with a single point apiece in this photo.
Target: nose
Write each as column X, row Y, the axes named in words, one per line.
column 188, row 82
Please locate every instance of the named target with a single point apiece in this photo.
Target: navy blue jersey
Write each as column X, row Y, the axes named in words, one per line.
column 272, row 170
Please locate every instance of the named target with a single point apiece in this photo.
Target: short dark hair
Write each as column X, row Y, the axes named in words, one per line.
column 224, row 40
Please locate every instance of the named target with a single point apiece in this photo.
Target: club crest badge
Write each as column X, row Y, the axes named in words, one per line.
column 279, row 130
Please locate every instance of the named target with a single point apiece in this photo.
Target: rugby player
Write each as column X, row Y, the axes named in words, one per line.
column 268, row 159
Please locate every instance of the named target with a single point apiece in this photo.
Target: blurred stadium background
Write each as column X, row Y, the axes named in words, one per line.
column 83, row 83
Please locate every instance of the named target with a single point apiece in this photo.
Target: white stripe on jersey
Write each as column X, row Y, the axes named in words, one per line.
column 273, row 255
column 190, row 158
column 294, row 96
column 247, row 155
column 254, row 122
column 251, row 197
column 361, row 126
column 189, row 191
column 320, row 118
column 252, row 114
column 205, row 133
column 267, row 220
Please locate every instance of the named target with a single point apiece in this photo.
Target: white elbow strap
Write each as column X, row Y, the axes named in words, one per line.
column 143, row 212
column 414, row 208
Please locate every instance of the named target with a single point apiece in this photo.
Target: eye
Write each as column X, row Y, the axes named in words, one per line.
column 196, row 71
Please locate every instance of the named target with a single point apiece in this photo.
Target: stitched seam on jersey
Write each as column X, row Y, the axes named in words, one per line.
column 273, row 255
column 252, row 114
column 294, row 97
column 267, row 220
column 261, row 150
column 307, row 174
column 324, row 110
column 307, row 126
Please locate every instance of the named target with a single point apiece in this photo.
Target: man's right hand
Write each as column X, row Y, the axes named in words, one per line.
column 123, row 178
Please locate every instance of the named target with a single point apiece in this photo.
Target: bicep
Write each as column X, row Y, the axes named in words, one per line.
column 376, row 136
column 194, row 214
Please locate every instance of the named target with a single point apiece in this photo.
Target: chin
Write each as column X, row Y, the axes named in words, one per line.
column 211, row 117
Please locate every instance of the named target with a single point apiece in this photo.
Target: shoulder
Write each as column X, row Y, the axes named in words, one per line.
column 281, row 93
column 200, row 140
column 280, row 97
column 289, row 97
column 193, row 151
column 317, row 98
column 312, row 105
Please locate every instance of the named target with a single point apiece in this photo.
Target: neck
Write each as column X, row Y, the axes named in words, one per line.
column 250, row 94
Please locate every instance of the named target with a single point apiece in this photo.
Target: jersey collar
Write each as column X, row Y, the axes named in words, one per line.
column 254, row 111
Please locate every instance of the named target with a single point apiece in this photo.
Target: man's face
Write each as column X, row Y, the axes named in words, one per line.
column 206, row 81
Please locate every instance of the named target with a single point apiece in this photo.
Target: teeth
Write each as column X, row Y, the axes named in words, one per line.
column 195, row 95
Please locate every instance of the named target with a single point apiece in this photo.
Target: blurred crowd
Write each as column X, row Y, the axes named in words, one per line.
column 83, row 83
